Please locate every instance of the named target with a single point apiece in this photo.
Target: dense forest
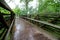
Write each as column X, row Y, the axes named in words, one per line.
column 46, row 10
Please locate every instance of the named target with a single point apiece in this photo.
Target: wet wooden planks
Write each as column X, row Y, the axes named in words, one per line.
column 25, row 31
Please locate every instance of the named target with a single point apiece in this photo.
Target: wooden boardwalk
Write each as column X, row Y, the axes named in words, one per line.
column 23, row 30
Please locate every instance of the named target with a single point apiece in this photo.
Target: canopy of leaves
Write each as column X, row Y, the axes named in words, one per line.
column 49, row 6
column 44, row 7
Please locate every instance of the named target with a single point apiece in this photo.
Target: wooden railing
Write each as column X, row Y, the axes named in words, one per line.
column 49, row 27
column 5, row 29
column 43, row 22
column 10, row 30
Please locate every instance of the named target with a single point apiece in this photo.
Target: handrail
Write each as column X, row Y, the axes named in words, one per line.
column 9, row 29
column 44, row 22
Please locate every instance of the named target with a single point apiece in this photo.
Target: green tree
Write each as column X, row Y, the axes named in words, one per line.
column 49, row 6
column 17, row 11
column 26, row 4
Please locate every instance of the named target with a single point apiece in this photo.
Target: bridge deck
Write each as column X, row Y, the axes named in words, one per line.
column 24, row 30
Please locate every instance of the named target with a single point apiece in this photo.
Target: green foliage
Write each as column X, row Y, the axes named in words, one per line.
column 47, row 8
column 17, row 11
column 2, row 10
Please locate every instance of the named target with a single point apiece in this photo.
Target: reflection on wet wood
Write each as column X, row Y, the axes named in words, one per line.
column 25, row 31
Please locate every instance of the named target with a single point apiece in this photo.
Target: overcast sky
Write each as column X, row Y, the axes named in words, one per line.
column 13, row 4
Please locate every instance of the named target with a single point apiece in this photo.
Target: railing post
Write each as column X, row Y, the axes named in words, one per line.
column 12, row 16
column 3, row 21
